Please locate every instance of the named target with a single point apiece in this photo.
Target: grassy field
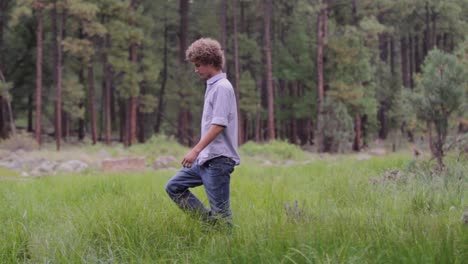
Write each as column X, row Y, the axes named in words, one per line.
column 340, row 210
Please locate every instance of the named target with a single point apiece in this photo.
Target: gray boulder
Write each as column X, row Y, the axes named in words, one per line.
column 46, row 167
column 72, row 166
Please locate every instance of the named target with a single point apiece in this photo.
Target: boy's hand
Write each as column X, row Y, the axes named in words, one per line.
column 190, row 158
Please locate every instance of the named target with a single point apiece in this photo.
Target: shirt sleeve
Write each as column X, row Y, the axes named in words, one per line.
column 222, row 105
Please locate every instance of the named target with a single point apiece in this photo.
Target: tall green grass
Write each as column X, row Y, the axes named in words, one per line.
column 341, row 217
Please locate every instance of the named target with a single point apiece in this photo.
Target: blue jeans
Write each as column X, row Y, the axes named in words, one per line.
column 215, row 176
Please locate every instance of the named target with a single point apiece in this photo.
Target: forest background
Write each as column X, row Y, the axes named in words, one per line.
column 329, row 73
column 334, row 76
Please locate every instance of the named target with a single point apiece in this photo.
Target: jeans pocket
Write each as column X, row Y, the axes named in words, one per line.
column 222, row 164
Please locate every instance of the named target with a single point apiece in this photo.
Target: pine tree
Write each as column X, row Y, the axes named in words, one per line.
column 439, row 93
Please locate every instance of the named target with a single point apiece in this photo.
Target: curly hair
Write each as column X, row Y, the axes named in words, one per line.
column 206, row 51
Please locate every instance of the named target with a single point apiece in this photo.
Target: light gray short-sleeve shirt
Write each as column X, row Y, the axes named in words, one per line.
column 220, row 108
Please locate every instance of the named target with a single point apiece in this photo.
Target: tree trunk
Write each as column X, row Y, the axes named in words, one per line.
column 58, row 25
column 427, row 32
column 4, row 101
column 30, row 112
column 392, row 56
column 65, row 126
column 107, row 92
column 417, row 57
column 431, row 139
column 133, row 99
column 81, row 126
column 183, row 130
column 258, row 124
column 223, row 22
column 445, row 45
column 269, row 68
column 132, row 119
column 364, row 126
column 39, row 31
column 123, row 111
column 183, row 12
column 434, row 29
column 357, row 133
column 162, row 93
column 3, row 10
column 439, row 145
column 240, row 119
column 322, row 20
column 354, row 11
column 411, row 62
column 383, row 120
column 141, row 127
column 295, row 121
column 92, row 111
column 404, row 62
column 382, row 112
column 383, row 47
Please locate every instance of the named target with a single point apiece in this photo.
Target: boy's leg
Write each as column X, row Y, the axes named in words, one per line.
column 178, row 189
column 216, row 179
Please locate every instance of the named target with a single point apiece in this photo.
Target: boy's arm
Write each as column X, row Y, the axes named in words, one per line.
column 212, row 133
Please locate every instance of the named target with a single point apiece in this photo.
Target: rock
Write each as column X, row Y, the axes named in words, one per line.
column 164, row 162
column 47, row 167
column 124, row 164
column 73, row 166
column 465, row 218
column 12, row 164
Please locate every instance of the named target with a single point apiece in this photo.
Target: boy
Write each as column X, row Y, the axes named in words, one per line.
column 213, row 158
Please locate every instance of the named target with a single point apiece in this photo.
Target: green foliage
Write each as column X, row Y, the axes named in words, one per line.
column 23, row 8
column 249, row 95
column 249, row 54
column 86, row 11
column 351, row 72
column 440, row 90
column 462, row 58
column 337, row 126
column 72, row 97
column 80, row 48
column 293, row 55
column 353, row 76
column 147, row 103
column 273, row 150
column 389, row 94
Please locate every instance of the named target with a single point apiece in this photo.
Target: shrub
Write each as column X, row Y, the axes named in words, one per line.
column 337, row 126
column 19, row 141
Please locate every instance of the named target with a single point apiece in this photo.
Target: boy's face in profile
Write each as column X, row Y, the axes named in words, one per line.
column 205, row 71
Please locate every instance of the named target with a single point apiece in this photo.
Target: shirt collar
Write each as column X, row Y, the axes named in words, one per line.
column 216, row 78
